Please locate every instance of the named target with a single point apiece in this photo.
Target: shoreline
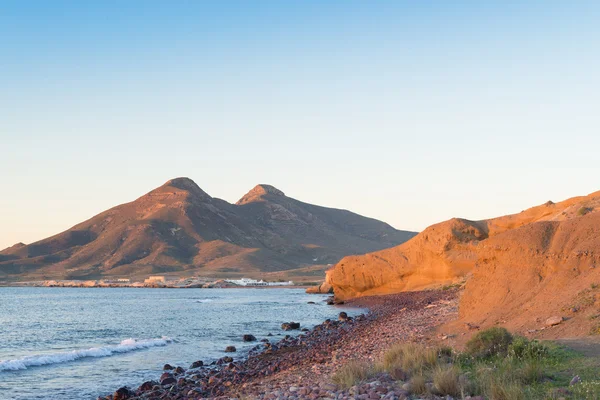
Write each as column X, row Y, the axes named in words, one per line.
column 301, row 367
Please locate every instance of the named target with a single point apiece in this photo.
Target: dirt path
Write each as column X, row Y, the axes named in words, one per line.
column 588, row 346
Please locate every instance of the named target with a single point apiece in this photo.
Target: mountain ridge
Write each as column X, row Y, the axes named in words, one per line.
column 180, row 229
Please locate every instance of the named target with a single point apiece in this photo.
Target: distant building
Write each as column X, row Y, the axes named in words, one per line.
column 159, row 279
column 254, row 282
column 124, row 280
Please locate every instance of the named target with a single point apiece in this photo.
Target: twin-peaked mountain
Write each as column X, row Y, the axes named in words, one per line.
column 181, row 230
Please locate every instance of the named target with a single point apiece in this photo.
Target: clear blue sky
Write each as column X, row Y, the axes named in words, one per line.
column 408, row 111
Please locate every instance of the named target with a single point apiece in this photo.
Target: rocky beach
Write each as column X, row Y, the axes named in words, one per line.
column 302, row 367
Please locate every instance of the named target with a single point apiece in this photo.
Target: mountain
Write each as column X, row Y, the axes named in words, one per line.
column 181, row 230
column 519, row 269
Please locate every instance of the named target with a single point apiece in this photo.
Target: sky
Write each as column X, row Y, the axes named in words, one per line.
column 411, row 112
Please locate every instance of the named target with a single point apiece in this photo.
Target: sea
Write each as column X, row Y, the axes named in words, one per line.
column 80, row 343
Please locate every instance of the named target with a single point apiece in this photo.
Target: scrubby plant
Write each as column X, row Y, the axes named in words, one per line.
column 490, row 342
column 522, row 348
column 417, row 384
column 351, row 373
column 410, row 357
column 583, row 210
column 446, row 380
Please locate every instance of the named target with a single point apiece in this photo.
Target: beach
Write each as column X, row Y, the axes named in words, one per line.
column 301, row 367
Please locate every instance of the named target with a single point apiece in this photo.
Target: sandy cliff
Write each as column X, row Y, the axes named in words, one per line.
column 451, row 251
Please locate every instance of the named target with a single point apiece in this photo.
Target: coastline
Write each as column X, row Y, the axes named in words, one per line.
column 301, row 367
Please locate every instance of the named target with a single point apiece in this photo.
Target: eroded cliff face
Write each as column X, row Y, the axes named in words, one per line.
column 526, row 275
column 448, row 252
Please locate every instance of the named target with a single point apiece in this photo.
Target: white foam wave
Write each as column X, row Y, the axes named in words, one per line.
column 205, row 301
column 106, row 351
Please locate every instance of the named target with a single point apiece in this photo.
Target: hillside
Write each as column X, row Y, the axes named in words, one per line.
column 181, row 230
column 503, row 254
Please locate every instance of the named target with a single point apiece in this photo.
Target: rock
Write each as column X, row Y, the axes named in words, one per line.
column 288, row 326
column 197, row 364
column 342, row 316
column 165, row 376
column 168, row 381
column 230, row 349
column 553, row 321
column 249, row 338
column 576, row 379
column 323, row 288
column 123, row 393
column 168, row 367
column 147, row 386
column 224, row 360
column 179, row 370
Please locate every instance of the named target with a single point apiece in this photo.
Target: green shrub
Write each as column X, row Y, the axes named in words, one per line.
column 490, row 342
column 522, row 348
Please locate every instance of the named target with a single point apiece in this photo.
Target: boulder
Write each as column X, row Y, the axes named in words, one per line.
column 553, row 321
column 288, row 326
column 230, row 349
column 343, row 316
column 197, row 364
column 168, row 367
column 147, row 386
column 179, row 370
column 123, row 393
column 168, row 381
column 224, row 360
column 165, row 375
column 249, row 338
column 323, row 288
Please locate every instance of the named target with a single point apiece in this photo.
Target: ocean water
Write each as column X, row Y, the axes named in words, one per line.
column 70, row 343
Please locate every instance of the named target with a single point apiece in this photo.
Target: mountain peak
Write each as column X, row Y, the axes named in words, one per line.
column 187, row 185
column 258, row 192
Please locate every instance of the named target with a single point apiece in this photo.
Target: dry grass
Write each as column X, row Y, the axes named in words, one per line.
column 351, row 373
column 446, row 380
column 409, row 357
column 417, row 384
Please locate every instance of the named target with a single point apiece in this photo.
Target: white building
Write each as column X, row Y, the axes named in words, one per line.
column 254, row 282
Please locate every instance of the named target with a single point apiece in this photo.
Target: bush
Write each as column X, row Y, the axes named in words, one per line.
column 409, row 357
column 417, row 384
column 351, row 373
column 446, row 380
column 490, row 342
column 583, row 210
column 522, row 348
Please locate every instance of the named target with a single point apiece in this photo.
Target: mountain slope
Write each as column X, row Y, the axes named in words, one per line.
column 180, row 229
column 448, row 252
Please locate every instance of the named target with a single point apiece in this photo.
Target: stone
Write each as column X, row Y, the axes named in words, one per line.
column 168, row 367
column 576, row 379
column 147, row 386
column 197, row 364
column 288, row 326
column 552, row 321
column 123, row 393
column 230, row 349
column 179, row 370
column 342, row 316
column 168, row 381
column 249, row 338
column 165, row 375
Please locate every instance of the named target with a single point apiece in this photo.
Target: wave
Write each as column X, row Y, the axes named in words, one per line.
column 205, row 301
column 125, row 346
